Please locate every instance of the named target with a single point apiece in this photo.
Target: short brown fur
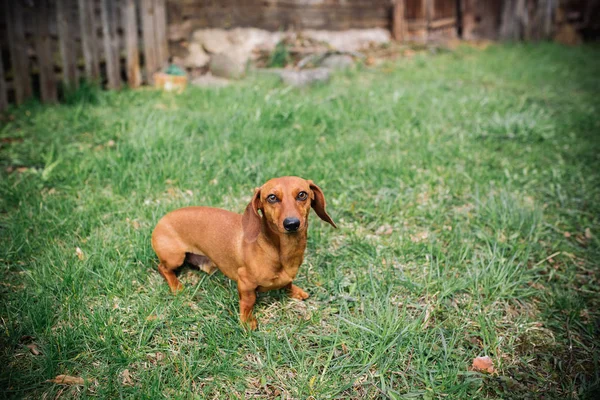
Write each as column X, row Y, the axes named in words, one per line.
column 255, row 251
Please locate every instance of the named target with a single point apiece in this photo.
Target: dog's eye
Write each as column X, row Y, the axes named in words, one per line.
column 302, row 196
column 272, row 198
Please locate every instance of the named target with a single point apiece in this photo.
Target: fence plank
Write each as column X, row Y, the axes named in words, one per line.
column 429, row 10
column 44, row 53
column 88, row 39
column 160, row 31
column 150, row 59
column 134, row 77
column 3, row 96
column 18, row 50
column 399, row 22
column 66, row 42
column 113, row 70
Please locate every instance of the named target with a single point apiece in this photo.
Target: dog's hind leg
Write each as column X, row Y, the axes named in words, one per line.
column 170, row 257
column 167, row 270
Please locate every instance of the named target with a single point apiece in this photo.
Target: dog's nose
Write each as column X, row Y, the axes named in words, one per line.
column 291, row 224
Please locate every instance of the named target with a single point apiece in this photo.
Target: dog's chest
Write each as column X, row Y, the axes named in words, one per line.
column 280, row 275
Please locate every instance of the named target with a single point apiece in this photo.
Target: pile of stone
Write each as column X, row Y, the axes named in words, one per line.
column 229, row 53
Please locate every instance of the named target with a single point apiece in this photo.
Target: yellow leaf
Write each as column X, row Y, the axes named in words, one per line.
column 127, row 381
column 483, row 364
column 67, row 380
column 33, row 349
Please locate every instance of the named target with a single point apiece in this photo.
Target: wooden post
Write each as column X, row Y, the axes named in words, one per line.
column 13, row 12
column 88, row 39
column 44, row 53
column 429, row 16
column 399, row 22
column 134, row 77
column 150, row 59
column 160, row 32
column 66, row 43
column 423, row 23
column 3, row 97
column 467, row 13
column 113, row 69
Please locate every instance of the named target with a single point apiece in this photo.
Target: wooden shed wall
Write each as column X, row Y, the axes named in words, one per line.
column 186, row 16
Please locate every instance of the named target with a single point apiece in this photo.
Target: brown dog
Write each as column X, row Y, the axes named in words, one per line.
column 259, row 253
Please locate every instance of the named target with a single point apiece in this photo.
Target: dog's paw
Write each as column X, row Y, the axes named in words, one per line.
column 177, row 287
column 250, row 324
column 297, row 293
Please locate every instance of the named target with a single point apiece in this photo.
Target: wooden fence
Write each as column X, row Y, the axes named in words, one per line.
column 52, row 44
column 422, row 20
column 49, row 45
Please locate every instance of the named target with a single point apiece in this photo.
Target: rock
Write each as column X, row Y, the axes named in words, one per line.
column 250, row 39
column 197, row 57
column 230, row 50
column 305, row 77
column 227, row 66
column 238, row 44
column 214, row 41
column 209, row 80
column 338, row 61
column 350, row 40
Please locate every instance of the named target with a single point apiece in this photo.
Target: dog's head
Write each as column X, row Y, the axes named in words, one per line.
column 285, row 204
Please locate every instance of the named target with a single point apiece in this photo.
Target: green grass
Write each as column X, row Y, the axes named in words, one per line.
column 453, row 178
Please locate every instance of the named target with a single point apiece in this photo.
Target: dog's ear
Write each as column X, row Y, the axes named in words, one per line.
column 318, row 203
column 251, row 218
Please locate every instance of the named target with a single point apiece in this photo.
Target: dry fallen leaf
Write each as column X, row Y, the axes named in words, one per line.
column 26, row 338
column 33, row 349
column 155, row 358
column 384, row 230
column 67, row 380
column 418, row 237
column 127, row 381
column 483, row 364
column 79, row 253
column 588, row 233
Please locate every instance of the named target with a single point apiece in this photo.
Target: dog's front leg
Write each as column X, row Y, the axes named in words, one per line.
column 247, row 299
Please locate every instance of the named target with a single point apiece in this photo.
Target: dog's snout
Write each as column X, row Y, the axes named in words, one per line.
column 291, row 224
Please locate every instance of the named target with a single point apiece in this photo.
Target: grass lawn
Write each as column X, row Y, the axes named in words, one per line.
column 465, row 185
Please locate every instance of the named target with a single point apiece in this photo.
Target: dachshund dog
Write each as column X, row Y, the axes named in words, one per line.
column 260, row 253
